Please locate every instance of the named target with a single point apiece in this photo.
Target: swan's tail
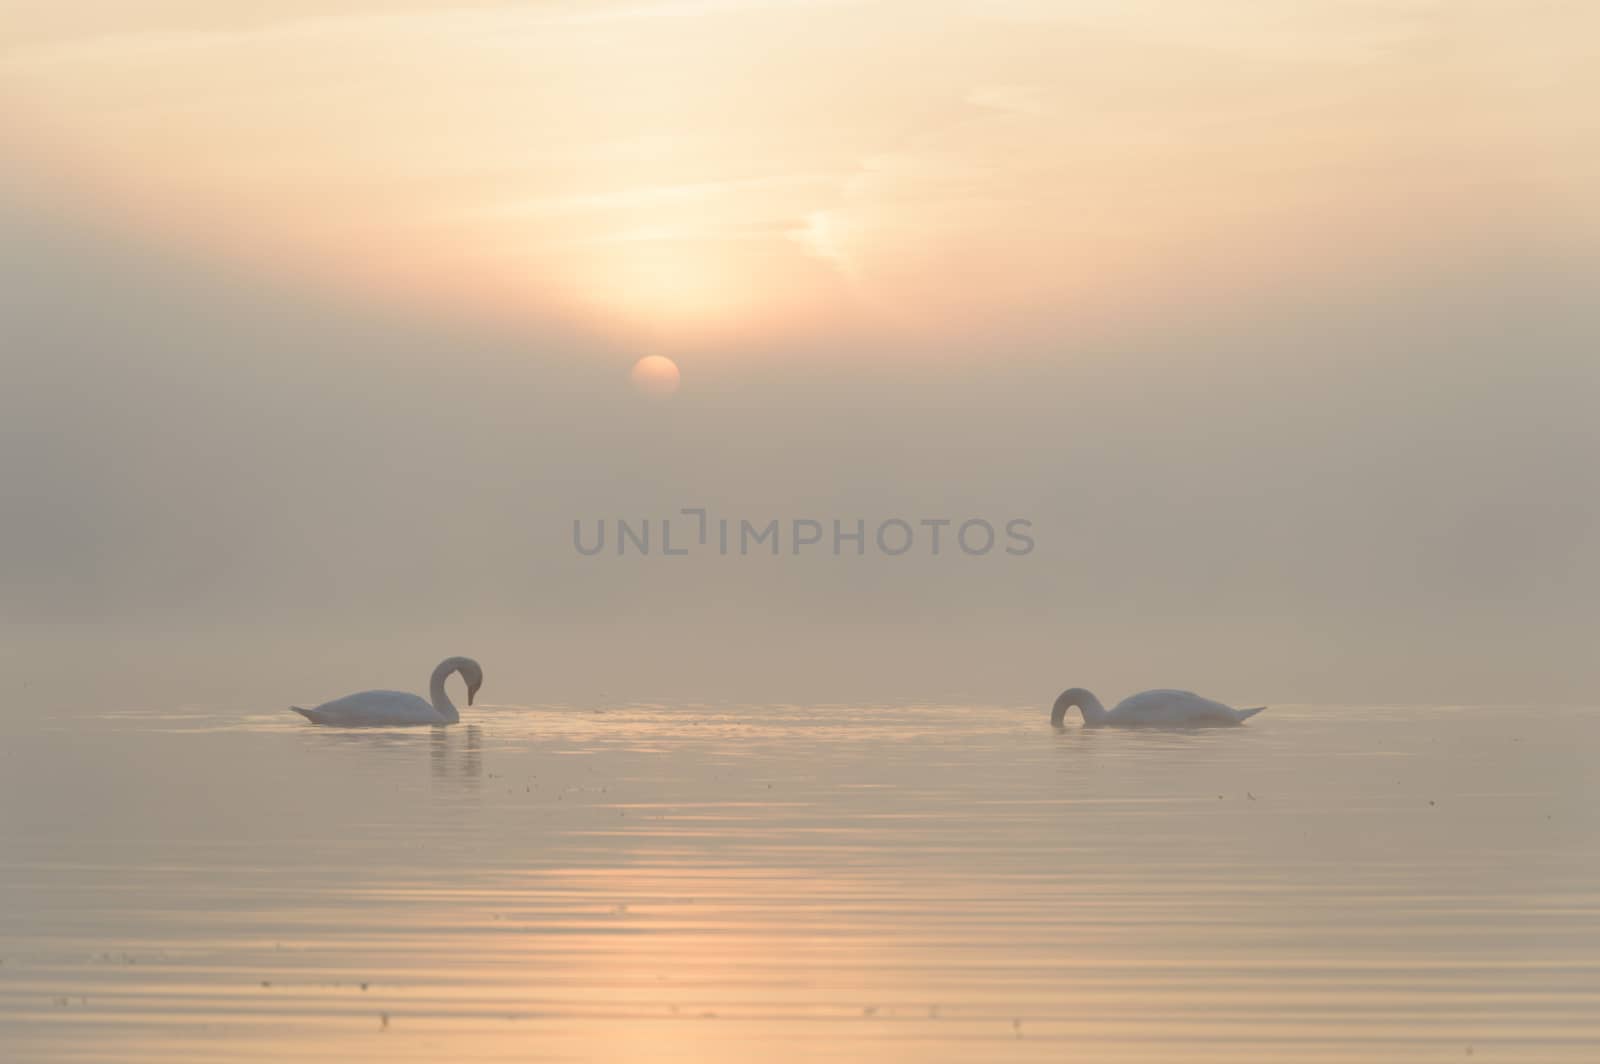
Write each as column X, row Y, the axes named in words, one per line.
column 1246, row 714
column 306, row 713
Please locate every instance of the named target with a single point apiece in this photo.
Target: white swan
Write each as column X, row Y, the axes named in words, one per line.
column 1151, row 709
column 399, row 709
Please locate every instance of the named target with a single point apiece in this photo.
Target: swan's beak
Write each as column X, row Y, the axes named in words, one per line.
column 470, row 692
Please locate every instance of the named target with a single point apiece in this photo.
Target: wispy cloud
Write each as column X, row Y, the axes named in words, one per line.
column 1013, row 99
column 85, row 44
column 966, row 157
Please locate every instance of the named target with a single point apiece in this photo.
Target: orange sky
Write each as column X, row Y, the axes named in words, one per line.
column 678, row 169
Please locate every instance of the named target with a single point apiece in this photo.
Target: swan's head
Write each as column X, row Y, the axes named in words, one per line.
column 470, row 671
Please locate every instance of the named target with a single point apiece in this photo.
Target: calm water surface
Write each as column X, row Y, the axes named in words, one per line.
column 790, row 883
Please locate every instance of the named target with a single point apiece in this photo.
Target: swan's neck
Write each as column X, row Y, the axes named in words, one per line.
column 437, row 694
column 1093, row 711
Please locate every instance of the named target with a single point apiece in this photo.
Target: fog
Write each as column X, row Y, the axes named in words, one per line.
column 785, row 402
column 225, row 487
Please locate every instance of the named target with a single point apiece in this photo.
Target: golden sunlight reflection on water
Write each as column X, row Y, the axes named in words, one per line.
column 912, row 883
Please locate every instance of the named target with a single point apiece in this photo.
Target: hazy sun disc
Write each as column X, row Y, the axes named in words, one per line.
column 655, row 375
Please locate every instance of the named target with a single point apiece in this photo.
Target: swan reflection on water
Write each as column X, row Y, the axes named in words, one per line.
column 453, row 755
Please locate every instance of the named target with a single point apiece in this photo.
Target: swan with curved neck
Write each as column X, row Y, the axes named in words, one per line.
column 400, row 709
column 1150, row 709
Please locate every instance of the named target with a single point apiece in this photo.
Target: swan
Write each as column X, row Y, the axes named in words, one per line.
column 1151, row 709
column 399, row 709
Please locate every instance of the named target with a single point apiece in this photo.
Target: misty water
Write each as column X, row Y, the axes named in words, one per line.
column 734, row 883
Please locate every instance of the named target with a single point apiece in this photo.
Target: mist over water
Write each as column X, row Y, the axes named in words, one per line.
column 225, row 491
column 323, row 324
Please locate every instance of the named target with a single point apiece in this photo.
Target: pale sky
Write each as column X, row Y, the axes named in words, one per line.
column 1278, row 322
column 679, row 171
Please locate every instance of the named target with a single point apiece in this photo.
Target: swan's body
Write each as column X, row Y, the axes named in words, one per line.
column 1151, row 709
column 399, row 709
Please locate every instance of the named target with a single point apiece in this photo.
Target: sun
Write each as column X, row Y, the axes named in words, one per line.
column 655, row 376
